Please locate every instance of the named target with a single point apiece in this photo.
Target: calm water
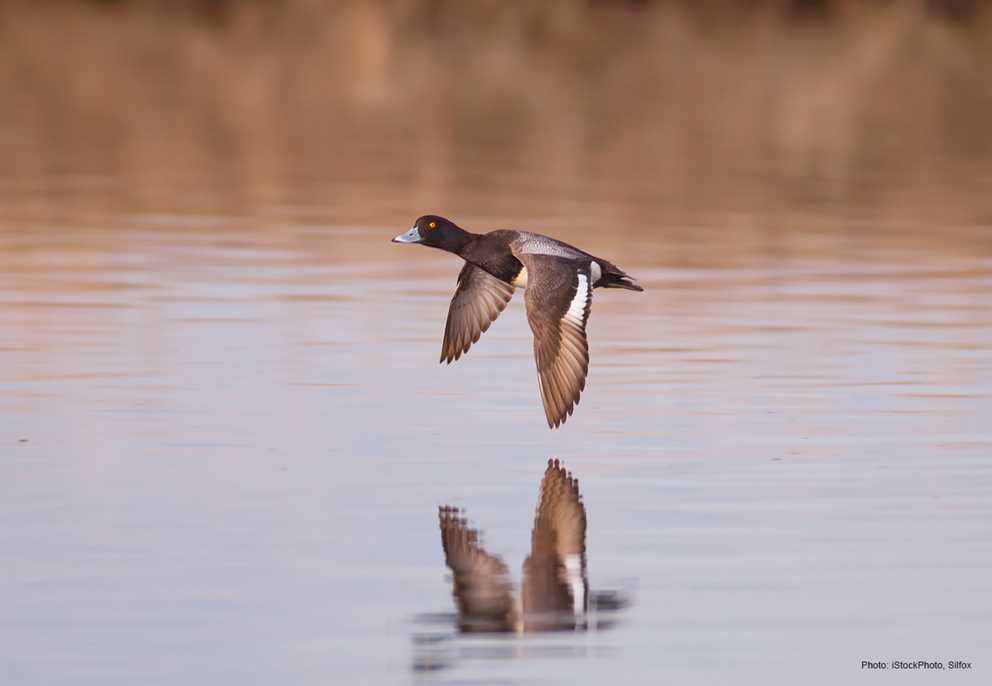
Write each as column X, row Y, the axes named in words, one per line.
column 225, row 434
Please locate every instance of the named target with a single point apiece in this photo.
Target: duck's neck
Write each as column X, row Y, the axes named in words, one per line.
column 457, row 239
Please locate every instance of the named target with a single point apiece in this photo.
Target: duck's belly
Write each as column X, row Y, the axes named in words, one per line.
column 520, row 280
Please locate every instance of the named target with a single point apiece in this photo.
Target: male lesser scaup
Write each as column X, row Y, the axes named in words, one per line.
column 559, row 279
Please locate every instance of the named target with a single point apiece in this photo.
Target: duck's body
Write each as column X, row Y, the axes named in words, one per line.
column 558, row 279
column 500, row 253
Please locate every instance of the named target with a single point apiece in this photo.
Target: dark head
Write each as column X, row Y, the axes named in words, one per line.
column 436, row 232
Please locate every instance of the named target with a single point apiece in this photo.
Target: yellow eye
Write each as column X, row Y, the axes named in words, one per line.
column 432, row 225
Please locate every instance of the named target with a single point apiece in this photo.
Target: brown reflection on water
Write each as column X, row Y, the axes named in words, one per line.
column 554, row 594
column 361, row 118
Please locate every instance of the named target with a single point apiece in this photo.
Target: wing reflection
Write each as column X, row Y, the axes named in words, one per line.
column 482, row 588
column 555, row 589
column 554, row 594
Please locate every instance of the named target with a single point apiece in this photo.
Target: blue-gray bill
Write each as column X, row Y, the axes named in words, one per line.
column 411, row 236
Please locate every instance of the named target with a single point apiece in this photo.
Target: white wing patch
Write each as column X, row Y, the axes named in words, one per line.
column 577, row 310
column 573, row 576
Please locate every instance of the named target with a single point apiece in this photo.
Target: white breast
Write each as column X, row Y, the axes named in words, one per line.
column 521, row 279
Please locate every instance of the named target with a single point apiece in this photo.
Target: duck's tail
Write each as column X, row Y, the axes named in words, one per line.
column 614, row 277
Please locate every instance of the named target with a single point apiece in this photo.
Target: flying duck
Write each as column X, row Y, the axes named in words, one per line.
column 558, row 279
column 554, row 594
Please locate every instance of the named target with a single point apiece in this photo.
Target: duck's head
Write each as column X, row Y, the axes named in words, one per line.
column 436, row 232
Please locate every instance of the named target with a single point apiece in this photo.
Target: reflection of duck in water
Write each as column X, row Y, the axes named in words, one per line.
column 555, row 592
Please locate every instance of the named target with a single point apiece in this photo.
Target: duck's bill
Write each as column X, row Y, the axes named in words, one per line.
column 411, row 236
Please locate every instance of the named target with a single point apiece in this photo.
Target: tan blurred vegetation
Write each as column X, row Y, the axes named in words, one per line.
column 633, row 113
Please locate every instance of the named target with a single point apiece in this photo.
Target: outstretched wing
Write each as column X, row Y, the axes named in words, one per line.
column 555, row 587
column 482, row 588
column 558, row 298
column 478, row 300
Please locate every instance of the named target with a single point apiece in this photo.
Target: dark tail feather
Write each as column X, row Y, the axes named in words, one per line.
column 617, row 279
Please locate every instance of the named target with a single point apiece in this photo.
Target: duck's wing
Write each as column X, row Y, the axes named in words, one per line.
column 558, row 299
column 478, row 300
column 482, row 588
column 555, row 587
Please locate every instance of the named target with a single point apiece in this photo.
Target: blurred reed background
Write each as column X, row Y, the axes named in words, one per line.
column 755, row 110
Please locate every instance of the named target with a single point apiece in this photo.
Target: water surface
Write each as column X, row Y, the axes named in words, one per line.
column 225, row 434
